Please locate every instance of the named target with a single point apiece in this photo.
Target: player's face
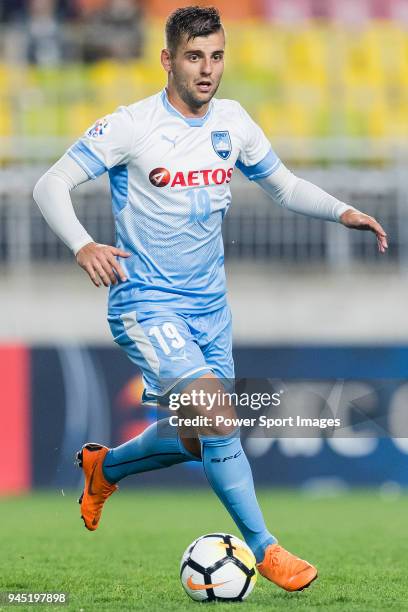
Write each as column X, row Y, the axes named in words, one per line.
column 196, row 68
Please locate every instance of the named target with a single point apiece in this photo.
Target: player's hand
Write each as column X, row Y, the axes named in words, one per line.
column 360, row 221
column 100, row 263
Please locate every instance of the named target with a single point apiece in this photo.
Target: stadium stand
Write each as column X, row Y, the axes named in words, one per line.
column 305, row 73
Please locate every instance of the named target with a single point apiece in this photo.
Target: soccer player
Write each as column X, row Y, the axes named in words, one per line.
column 170, row 159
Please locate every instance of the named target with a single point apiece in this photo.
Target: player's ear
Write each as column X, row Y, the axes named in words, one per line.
column 165, row 60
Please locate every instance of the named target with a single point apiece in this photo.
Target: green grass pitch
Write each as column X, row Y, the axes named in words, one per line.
column 357, row 540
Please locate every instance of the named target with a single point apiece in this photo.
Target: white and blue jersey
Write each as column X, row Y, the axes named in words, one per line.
column 170, row 183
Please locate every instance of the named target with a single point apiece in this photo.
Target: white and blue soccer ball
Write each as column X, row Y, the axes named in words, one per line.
column 218, row 567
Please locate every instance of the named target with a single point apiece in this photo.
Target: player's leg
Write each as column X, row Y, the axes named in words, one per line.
column 162, row 346
column 158, row 446
column 226, row 465
column 227, row 468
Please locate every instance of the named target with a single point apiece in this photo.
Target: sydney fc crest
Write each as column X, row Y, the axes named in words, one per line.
column 221, row 142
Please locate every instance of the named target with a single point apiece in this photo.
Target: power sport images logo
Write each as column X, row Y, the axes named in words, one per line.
column 161, row 177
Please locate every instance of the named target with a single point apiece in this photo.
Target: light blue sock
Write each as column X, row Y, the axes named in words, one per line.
column 229, row 473
column 158, row 446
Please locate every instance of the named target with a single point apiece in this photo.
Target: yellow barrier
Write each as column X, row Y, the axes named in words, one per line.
column 314, row 80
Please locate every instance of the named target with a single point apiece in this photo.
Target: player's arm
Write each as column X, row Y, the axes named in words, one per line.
column 105, row 145
column 301, row 196
column 52, row 195
column 258, row 162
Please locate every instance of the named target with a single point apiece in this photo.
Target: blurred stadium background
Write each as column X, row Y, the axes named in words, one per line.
column 328, row 81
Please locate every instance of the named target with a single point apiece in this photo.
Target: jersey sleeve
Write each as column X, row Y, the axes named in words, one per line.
column 256, row 159
column 107, row 143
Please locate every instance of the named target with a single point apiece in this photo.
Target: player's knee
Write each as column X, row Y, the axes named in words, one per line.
column 218, row 426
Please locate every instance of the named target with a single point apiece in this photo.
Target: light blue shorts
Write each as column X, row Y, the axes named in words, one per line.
column 170, row 347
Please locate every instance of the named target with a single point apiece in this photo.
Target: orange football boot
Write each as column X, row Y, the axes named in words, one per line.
column 96, row 489
column 286, row 570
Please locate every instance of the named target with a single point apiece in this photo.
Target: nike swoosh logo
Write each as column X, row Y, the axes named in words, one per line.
column 90, row 491
column 201, row 587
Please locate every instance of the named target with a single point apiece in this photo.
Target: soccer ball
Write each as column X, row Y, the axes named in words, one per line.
column 218, row 567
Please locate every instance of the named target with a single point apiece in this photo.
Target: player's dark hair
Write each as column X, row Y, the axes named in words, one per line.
column 192, row 21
